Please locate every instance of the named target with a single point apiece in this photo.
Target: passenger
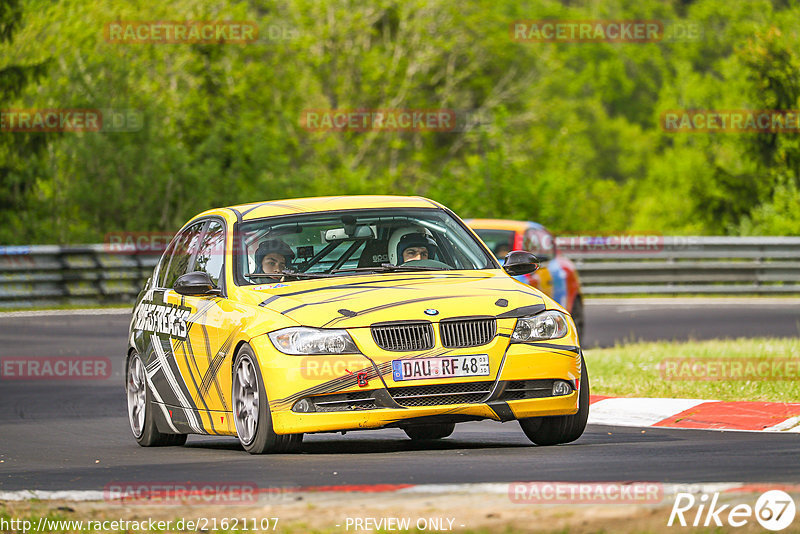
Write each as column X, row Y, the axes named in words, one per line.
column 272, row 256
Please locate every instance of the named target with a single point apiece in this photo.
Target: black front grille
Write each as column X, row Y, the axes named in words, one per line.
column 467, row 332
column 401, row 337
column 441, row 394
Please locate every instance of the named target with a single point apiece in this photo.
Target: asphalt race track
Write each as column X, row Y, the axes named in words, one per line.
column 619, row 320
column 69, row 435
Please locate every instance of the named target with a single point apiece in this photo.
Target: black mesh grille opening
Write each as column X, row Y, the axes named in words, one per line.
column 343, row 402
column 402, row 337
column 466, row 332
column 441, row 394
column 527, row 389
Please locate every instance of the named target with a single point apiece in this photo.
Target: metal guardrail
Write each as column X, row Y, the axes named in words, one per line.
column 692, row 265
column 44, row 275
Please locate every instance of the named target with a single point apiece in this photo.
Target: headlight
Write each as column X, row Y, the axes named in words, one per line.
column 546, row 325
column 304, row 340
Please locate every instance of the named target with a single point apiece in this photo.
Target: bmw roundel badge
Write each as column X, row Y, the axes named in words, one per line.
column 431, row 311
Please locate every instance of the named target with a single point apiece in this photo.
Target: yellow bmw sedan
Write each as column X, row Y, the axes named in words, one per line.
column 269, row 320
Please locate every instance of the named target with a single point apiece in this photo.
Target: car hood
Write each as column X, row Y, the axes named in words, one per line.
column 358, row 301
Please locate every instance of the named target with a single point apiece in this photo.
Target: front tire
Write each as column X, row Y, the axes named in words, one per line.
column 562, row 428
column 429, row 432
column 251, row 412
column 140, row 408
column 578, row 314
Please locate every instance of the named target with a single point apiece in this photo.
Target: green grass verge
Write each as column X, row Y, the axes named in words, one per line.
column 640, row 370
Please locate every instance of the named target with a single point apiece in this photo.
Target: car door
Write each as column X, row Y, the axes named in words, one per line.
column 162, row 321
column 204, row 356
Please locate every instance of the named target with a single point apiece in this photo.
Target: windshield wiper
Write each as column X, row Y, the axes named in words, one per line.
column 358, row 270
column 388, row 268
column 293, row 274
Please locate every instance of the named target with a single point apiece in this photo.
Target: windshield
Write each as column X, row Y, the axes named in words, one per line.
column 354, row 242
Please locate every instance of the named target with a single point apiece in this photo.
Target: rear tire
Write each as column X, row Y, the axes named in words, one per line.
column 562, row 428
column 429, row 432
column 251, row 412
column 141, row 407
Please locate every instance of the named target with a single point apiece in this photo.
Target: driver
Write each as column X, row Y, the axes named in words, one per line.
column 272, row 256
column 416, row 246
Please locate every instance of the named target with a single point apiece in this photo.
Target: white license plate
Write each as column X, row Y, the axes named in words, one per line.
column 442, row 367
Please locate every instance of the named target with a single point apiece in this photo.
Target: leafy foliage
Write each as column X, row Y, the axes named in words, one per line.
column 569, row 136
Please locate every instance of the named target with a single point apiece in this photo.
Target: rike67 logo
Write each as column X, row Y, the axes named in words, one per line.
column 774, row 510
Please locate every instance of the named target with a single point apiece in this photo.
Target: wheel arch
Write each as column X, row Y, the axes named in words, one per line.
column 128, row 355
column 235, row 352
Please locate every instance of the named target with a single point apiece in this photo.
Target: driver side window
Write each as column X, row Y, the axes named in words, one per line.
column 211, row 253
column 184, row 246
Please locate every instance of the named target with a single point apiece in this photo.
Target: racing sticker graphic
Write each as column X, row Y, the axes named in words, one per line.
column 166, row 319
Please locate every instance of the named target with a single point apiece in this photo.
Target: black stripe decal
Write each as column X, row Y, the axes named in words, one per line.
column 566, row 348
column 395, row 304
column 296, row 209
column 524, row 311
column 361, row 285
column 338, row 298
column 273, row 298
column 213, row 369
column 238, row 214
column 248, row 210
column 205, row 387
column 172, row 362
column 186, row 345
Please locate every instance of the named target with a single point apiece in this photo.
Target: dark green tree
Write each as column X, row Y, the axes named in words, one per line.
column 18, row 150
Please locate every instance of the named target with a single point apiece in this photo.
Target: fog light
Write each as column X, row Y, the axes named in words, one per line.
column 561, row 388
column 303, row 406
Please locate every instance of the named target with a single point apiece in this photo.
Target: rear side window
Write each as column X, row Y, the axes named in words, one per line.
column 183, row 247
column 211, row 252
column 164, row 263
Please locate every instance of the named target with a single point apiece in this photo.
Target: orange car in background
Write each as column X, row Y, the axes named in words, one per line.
column 557, row 275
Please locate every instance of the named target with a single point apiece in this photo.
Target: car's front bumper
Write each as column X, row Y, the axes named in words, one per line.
column 288, row 422
column 290, row 379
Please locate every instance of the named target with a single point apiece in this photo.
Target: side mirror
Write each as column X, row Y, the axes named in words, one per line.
column 520, row 262
column 195, row 283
